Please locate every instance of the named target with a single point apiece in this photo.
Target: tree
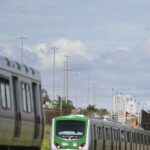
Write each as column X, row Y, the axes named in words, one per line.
column 91, row 109
column 102, row 112
column 67, row 106
column 45, row 96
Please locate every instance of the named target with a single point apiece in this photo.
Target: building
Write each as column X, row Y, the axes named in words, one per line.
column 145, row 120
column 124, row 105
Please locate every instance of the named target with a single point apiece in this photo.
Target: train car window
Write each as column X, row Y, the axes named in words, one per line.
column 138, row 138
column 118, row 135
column 115, row 135
column 99, row 133
column 91, row 132
column 148, row 139
column 111, row 134
column 94, row 131
column 133, row 137
column 107, row 134
column 5, row 93
column 128, row 136
column 26, row 97
column 142, row 139
column 145, row 139
column 122, row 135
column 8, row 96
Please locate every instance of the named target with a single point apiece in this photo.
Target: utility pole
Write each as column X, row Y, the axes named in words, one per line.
column 88, row 96
column 76, row 74
column 64, row 84
column 22, row 40
column 94, row 93
column 66, row 70
column 101, row 100
column 53, row 91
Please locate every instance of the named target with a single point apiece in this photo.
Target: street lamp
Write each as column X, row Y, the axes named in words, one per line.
column 66, row 69
column 101, row 100
column 76, row 74
column 22, row 40
column 53, row 91
column 88, row 90
column 94, row 92
column 102, row 88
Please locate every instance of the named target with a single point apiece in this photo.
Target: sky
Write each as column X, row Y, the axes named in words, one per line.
column 108, row 42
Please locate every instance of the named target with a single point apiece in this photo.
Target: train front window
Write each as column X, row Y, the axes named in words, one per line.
column 70, row 129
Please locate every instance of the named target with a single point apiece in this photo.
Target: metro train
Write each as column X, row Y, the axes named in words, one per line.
column 80, row 132
column 21, row 116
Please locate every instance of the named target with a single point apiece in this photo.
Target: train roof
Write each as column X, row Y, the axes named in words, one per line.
column 80, row 117
column 21, row 69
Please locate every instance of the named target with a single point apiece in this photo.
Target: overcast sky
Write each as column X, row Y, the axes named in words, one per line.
column 107, row 41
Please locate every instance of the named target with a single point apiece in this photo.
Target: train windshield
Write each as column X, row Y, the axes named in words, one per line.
column 70, row 129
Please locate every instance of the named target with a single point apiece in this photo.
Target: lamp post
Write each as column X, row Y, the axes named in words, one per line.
column 94, row 93
column 64, row 84
column 88, row 90
column 22, row 37
column 76, row 74
column 53, row 91
column 66, row 69
column 101, row 100
column 102, row 88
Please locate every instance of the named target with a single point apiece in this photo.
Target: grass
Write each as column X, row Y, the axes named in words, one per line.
column 46, row 139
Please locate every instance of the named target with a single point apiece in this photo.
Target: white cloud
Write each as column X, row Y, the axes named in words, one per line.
column 109, row 61
column 123, row 49
column 42, row 53
column 73, row 47
column 147, row 104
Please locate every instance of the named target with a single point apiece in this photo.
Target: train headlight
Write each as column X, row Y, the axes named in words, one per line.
column 81, row 146
column 57, row 145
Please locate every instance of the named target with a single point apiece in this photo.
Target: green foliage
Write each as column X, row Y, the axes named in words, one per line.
column 46, row 139
column 45, row 145
column 91, row 110
column 45, row 96
column 67, row 106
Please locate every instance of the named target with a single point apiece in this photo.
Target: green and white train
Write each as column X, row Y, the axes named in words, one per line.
column 80, row 132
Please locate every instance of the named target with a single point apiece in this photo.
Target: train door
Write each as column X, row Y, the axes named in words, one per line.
column 16, row 107
column 138, row 141
column 128, row 140
column 145, row 142
column 99, row 138
column 107, row 138
column 142, row 141
column 6, row 115
column 148, row 142
column 94, row 137
column 118, row 139
column 133, row 141
column 35, row 105
column 122, row 140
column 114, row 139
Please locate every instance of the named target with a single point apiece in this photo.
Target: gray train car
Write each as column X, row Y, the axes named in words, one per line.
column 21, row 116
